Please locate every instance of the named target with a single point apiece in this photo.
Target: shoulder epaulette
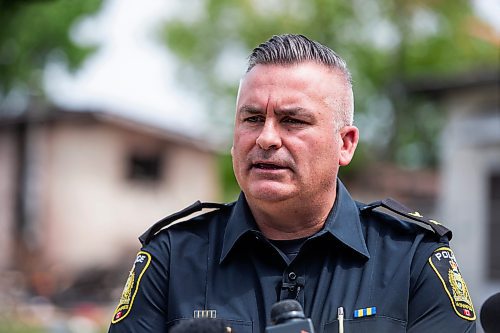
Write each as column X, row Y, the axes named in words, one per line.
column 146, row 237
column 401, row 209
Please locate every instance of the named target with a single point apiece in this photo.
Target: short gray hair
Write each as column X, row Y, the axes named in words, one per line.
column 289, row 49
column 293, row 49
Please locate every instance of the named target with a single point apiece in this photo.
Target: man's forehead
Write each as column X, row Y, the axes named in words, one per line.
column 291, row 84
column 305, row 74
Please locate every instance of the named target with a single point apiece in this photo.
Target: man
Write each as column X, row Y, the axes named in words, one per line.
column 295, row 232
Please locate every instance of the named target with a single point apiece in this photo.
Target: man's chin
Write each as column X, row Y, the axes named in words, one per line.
column 271, row 192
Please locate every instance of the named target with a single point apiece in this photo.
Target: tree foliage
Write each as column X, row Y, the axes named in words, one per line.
column 386, row 43
column 34, row 32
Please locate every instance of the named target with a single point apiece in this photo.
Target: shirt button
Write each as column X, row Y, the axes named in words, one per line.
column 292, row 276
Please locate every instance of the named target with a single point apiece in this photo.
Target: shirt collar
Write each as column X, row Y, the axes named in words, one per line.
column 342, row 222
column 240, row 222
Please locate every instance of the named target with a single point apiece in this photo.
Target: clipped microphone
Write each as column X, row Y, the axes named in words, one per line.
column 490, row 314
column 288, row 317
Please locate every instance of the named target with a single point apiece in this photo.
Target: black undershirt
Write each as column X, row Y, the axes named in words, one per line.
column 289, row 247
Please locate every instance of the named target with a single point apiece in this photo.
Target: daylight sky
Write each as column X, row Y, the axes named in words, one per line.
column 131, row 73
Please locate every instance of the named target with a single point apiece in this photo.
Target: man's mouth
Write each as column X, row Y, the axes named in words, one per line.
column 267, row 166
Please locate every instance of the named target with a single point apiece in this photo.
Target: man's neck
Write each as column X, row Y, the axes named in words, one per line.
column 291, row 220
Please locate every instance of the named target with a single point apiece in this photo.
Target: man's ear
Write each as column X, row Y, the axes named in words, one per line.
column 350, row 137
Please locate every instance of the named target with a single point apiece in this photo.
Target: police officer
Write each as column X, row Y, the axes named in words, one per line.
column 295, row 232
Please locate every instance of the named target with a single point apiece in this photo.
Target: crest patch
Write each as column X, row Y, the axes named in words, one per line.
column 141, row 263
column 443, row 262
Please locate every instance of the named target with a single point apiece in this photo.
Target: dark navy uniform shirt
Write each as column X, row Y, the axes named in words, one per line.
column 388, row 275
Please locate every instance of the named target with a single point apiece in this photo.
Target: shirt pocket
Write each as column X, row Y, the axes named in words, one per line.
column 368, row 325
column 239, row 326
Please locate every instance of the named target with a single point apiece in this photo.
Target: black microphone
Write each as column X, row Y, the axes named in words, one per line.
column 288, row 317
column 490, row 314
column 201, row 325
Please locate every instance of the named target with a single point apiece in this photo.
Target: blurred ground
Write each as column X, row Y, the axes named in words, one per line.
column 76, row 309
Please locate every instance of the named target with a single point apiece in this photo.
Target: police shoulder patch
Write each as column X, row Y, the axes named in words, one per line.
column 141, row 263
column 443, row 262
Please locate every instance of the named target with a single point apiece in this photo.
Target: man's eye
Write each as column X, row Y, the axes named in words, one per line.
column 293, row 121
column 254, row 119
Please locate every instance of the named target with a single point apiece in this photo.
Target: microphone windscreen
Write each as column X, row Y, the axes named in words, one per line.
column 286, row 309
column 490, row 314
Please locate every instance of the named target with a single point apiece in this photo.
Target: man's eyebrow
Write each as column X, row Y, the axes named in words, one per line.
column 296, row 112
column 293, row 111
column 250, row 109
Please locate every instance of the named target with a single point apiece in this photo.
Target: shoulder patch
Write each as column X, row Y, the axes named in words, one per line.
column 165, row 222
column 444, row 264
column 141, row 263
column 402, row 210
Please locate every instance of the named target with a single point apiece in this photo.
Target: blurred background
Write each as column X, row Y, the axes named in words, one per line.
column 116, row 113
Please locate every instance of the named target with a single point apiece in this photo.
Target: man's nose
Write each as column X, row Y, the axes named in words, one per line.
column 269, row 137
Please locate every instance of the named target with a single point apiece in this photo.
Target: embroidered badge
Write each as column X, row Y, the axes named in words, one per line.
column 131, row 286
column 443, row 262
column 365, row 312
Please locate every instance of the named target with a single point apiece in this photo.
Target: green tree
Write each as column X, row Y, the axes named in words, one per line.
column 34, row 32
column 386, row 43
